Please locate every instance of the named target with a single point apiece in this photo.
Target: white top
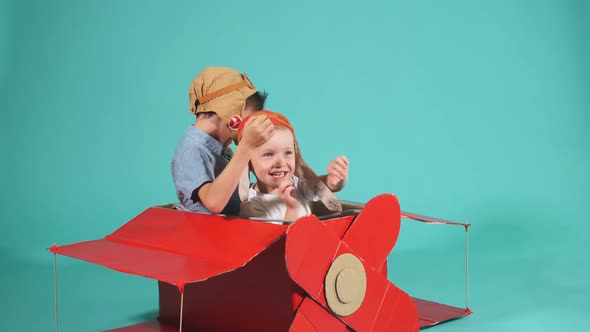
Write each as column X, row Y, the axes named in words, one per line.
column 269, row 206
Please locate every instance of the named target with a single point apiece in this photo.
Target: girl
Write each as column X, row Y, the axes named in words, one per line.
column 285, row 186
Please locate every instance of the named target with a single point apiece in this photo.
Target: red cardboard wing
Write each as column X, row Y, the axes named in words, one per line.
column 177, row 247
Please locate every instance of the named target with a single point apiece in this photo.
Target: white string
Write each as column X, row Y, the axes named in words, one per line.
column 55, row 291
column 181, row 305
column 467, row 267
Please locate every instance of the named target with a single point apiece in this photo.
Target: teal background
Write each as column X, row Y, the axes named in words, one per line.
column 473, row 111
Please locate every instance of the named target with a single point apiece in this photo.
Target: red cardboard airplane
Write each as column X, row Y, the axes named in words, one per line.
column 220, row 273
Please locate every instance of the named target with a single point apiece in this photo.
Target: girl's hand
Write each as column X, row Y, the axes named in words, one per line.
column 337, row 173
column 289, row 194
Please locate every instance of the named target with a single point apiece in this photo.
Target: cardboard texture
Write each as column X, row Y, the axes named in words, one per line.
column 311, row 249
column 238, row 274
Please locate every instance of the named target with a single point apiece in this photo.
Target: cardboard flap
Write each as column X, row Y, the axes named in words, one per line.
column 177, row 247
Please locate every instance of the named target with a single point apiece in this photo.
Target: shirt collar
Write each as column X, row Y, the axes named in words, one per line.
column 210, row 143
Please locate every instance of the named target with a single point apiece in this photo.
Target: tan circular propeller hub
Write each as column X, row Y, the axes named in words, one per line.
column 345, row 284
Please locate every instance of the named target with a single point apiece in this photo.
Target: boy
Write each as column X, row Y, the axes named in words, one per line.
column 204, row 175
column 283, row 189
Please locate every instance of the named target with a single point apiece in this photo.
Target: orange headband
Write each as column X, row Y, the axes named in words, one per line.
column 276, row 118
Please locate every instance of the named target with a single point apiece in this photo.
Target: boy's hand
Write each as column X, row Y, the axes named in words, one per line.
column 337, row 173
column 257, row 131
column 288, row 194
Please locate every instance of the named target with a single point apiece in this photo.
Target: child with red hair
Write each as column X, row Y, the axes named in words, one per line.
column 285, row 186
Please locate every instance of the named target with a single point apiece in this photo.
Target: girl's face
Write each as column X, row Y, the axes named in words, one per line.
column 274, row 161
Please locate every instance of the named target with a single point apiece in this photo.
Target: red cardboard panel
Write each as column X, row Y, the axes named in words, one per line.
column 375, row 230
column 261, row 288
column 258, row 295
column 154, row 326
column 312, row 317
column 177, row 247
column 310, row 250
column 432, row 313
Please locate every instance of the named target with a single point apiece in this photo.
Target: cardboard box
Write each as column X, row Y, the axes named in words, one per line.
column 219, row 273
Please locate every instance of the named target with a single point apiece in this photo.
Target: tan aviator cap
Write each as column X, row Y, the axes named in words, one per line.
column 222, row 90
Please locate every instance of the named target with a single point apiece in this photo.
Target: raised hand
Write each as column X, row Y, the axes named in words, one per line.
column 257, row 131
column 337, row 173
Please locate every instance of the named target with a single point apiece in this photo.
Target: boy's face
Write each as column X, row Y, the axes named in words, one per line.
column 274, row 161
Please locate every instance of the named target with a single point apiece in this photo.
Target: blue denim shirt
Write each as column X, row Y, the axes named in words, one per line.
column 199, row 159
